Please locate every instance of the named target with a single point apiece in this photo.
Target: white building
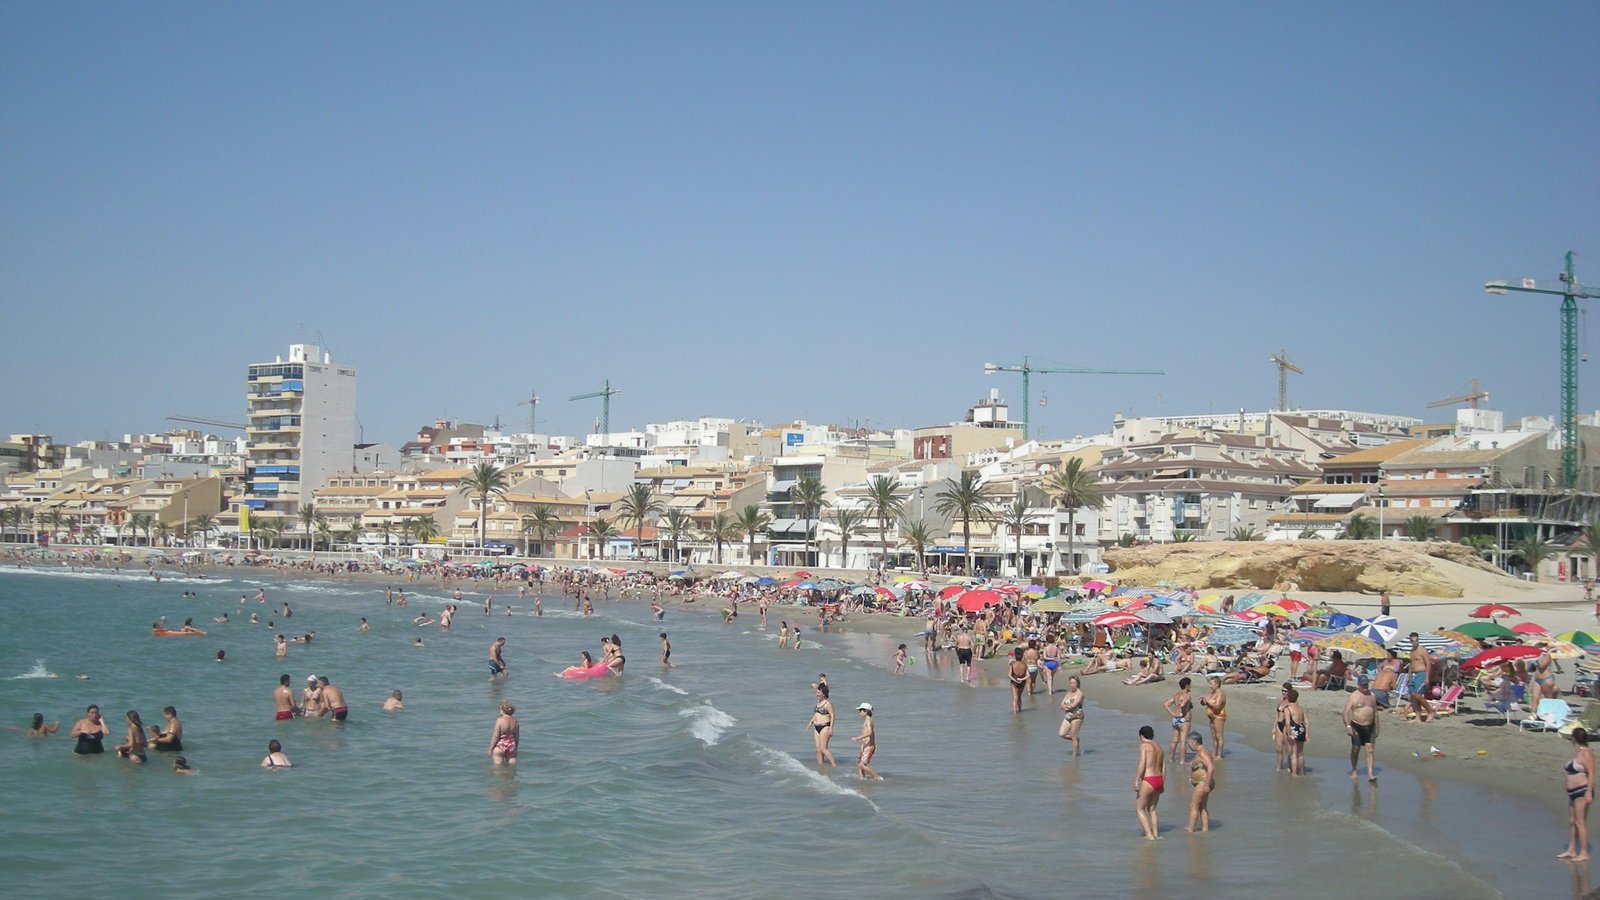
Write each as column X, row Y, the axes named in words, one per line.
column 300, row 420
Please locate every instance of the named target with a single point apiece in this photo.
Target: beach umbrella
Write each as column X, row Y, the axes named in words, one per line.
column 1558, row 649
column 1482, row 631
column 1116, row 619
column 1241, row 622
column 1007, row 589
column 1177, row 610
column 1270, row 609
column 863, row 590
column 1430, row 642
column 1095, row 585
column 1342, row 620
column 1053, row 592
column 1292, row 606
column 830, row 584
column 802, row 574
column 803, row 586
column 1494, row 656
column 950, row 590
column 1035, row 589
column 1378, row 628
column 888, row 593
column 1492, row 611
column 1580, row 637
column 1154, row 616
column 1529, row 628
column 972, row 601
column 1352, row 645
column 766, row 581
column 1085, row 613
column 1232, row 637
column 1052, row 605
column 901, row 579
column 1248, row 600
column 731, row 575
column 1308, row 634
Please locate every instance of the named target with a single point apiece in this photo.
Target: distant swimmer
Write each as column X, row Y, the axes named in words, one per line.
column 538, row 606
column 39, row 729
column 422, row 620
column 503, row 739
column 388, row 596
column 90, row 731
column 261, row 595
column 418, row 643
column 188, row 627
column 275, row 758
column 783, row 634
column 497, row 660
column 283, row 647
column 254, row 620
column 221, row 620
column 657, row 611
column 666, row 651
column 180, row 766
column 393, row 702
column 222, row 655
column 283, row 700
column 364, row 626
column 333, row 700
column 868, row 739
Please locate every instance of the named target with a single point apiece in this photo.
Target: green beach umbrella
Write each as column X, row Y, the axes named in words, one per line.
column 1581, row 638
column 1053, row 592
column 1052, row 605
column 1483, row 630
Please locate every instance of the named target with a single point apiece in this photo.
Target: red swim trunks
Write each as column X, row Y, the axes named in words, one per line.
column 1156, row 782
column 284, row 714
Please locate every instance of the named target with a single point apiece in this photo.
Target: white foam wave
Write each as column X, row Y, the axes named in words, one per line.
column 1395, row 842
column 708, row 723
column 38, row 671
column 666, row 687
column 108, row 575
column 784, row 764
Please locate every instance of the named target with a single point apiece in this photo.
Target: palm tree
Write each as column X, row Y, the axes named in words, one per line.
column 346, row 535
column 541, row 520
column 1018, row 517
column 164, row 532
column 485, row 480
column 723, row 529
column 9, row 517
column 1246, row 533
column 386, row 528
column 266, row 530
column 1126, row 539
column 1591, row 537
column 89, row 533
column 425, row 529
column 966, row 497
column 1483, row 544
column 884, row 503
column 847, row 521
column 1533, row 550
column 142, row 522
column 324, row 533
column 201, row 523
column 1073, row 487
column 809, row 494
column 52, row 522
column 919, row 535
column 308, row 518
column 753, row 521
column 1306, row 534
column 1421, row 528
column 1360, row 528
column 676, row 523
column 638, row 506
column 602, row 531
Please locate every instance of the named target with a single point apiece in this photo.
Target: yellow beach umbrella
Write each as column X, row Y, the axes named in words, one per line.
column 1465, row 640
column 1352, row 644
column 902, row 579
column 1558, row 649
column 1271, row 609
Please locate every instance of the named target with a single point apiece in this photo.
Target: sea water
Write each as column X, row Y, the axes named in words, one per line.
column 693, row 781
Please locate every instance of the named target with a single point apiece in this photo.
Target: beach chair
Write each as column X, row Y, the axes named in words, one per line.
column 1553, row 715
column 1589, row 721
column 1446, row 704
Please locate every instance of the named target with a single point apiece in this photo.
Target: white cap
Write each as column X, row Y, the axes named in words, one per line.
column 865, row 706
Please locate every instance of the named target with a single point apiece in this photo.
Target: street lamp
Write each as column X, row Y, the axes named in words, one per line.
column 1380, row 512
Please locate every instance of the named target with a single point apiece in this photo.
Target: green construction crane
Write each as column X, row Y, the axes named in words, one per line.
column 1028, row 370
column 1570, row 294
column 605, row 407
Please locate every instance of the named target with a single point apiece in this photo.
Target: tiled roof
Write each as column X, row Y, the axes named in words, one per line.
column 1373, row 455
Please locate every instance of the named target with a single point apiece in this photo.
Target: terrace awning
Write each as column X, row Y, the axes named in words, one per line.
column 1337, row 501
column 783, row 485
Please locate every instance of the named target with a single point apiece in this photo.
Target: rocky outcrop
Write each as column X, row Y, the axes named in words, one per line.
column 1394, row 566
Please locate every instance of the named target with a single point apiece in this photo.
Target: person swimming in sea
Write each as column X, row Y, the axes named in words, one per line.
column 39, row 729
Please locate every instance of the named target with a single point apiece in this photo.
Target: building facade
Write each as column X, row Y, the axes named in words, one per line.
column 300, row 420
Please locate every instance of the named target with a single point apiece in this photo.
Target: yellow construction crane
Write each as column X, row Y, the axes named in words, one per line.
column 1281, row 360
column 1470, row 398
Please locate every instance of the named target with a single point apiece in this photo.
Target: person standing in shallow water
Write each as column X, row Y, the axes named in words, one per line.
column 505, row 736
column 1148, row 782
column 822, row 725
column 91, row 731
column 1017, row 672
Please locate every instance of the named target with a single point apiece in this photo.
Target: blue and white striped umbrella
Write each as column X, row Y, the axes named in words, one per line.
column 1379, row 628
column 1235, row 622
column 1433, row 643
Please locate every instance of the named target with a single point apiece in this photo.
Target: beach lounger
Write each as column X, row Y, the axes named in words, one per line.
column 1446, row 705
column 1589, row 721
column 1553, row 715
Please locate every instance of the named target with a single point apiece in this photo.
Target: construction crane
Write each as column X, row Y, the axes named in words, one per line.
column 1570, row 294
column 212, row 422
column 532, row 403
column 1470, row 398
column 605, row 407
column 1281, row 360
column 1028, row 370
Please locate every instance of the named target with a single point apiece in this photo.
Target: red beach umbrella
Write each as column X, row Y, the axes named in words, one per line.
column 1494, row 656
column 1292, row 606
column 950, row 590
column 802, row 575
column 1116, row 619
column 885, row 593
column 1529, row 628
column 789, row 585
column 1250, row 615
column 1492, row 611
column 972, row 601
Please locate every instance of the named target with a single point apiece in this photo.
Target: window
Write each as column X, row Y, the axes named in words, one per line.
column 1254, row 503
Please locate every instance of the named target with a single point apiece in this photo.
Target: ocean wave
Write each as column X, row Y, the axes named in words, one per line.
column 107, row 575
column 784, row 765
column 666, row 687
column 708, row 723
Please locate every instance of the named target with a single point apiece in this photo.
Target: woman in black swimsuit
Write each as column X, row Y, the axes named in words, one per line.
column 822, row 725
column 1579, row 772
column 90, row 731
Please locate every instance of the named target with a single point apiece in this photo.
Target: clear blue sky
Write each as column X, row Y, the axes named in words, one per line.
column 828, row 211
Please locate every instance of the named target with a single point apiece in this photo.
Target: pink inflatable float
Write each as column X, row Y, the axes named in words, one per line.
column 594, row 671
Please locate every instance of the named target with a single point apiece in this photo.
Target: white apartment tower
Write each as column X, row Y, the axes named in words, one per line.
column 300, row 422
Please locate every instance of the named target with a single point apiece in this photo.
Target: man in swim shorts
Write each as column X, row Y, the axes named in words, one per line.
column 964, row 653
column 497, row 662
column 1361, row 723
column 283, row 699
column 333, row 700
column 1417, row 679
